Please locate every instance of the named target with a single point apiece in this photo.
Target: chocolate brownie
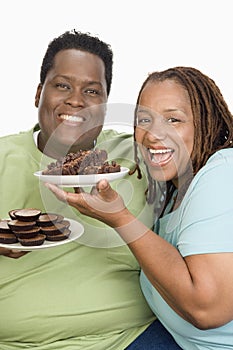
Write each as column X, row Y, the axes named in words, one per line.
column 82, row 163
column 55, row 229
column 47, row 219
column 17, row 225
column 19, row 229
column 8, row 238
column 37, row 240
column 28, row 214
column 27, row 233
column 59, row 217
column 59, row 237
column 11, row 214
column 4, row 227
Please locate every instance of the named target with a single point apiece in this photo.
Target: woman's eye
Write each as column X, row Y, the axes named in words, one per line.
column 172, row 120
column 142, row 120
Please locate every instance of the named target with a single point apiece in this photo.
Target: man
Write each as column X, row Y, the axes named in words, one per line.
column 85, row 294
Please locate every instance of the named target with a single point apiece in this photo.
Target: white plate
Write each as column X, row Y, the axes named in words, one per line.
column 76, row 231
column 80, row 180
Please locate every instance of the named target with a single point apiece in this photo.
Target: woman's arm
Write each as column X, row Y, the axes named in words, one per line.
column 199, row 287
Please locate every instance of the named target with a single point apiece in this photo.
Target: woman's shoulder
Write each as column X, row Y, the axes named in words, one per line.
column 219, row 168
column 223, row 156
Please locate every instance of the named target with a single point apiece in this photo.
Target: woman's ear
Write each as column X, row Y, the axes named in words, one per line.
column 37, row 97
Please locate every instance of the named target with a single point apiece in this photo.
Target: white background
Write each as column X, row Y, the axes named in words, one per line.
column 145, row 35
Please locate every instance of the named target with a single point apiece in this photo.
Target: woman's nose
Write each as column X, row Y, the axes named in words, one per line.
column 157, row 130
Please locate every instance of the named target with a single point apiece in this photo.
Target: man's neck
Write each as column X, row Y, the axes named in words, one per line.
column 55, row 150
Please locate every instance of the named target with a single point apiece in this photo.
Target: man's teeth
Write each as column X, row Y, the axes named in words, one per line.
column 71, row 118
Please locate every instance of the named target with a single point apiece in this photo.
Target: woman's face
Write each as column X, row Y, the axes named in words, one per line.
column 165, row 130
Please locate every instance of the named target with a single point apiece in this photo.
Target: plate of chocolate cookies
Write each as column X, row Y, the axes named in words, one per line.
column 30, row 229
column 84, row 168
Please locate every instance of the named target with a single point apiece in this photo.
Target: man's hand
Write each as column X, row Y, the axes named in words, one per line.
column 11, row 253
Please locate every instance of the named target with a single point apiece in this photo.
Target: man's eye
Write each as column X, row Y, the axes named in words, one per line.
column 63, row 86
column 92, row 92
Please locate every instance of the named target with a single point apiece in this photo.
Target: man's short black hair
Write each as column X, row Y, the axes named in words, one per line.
column 81, row 41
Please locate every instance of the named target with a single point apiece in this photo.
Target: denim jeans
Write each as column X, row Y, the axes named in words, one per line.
column 155, row 337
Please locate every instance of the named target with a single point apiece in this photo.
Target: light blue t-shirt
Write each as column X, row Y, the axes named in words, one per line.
column 202, row 224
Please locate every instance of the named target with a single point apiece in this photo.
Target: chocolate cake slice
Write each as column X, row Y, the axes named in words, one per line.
column 82, row 163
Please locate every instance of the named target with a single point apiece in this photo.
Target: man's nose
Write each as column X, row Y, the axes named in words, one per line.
column 75, row 98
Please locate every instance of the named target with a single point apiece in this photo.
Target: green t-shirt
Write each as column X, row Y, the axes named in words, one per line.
column 81, row 295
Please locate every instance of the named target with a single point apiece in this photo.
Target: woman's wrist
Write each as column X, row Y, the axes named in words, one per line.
column 129, row 227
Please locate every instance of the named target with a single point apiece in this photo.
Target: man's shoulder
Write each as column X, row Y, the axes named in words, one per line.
column 16, row 139
column 114, row 140
column 110, row 134
column 16, row 146
column 119, row 146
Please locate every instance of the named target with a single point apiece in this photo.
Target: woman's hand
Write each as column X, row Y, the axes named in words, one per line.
column 103, row 203
column 11, row 253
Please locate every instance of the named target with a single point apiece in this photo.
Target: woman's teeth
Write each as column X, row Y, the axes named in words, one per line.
column 160, row 155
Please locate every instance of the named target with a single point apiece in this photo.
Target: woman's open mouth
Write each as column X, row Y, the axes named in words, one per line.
column 160, row 157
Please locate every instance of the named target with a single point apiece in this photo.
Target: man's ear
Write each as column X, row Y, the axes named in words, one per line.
column 37, row 97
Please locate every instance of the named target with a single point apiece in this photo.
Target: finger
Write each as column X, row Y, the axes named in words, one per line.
column 94, row 191
column 16, row 254
column 4, row 251
column 78, row 190
column 67, row 197
column 106, row 191
column 10, row 253
column 57, row 191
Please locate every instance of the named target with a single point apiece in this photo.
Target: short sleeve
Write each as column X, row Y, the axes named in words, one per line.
column 206, row 224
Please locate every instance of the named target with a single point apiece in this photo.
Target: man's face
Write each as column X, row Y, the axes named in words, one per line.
column 71, row 103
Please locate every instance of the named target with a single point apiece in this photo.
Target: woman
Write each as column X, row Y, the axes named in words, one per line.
column 184, row 131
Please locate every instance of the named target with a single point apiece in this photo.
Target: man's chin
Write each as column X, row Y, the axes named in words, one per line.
column 74, row 145
column 64, row 142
